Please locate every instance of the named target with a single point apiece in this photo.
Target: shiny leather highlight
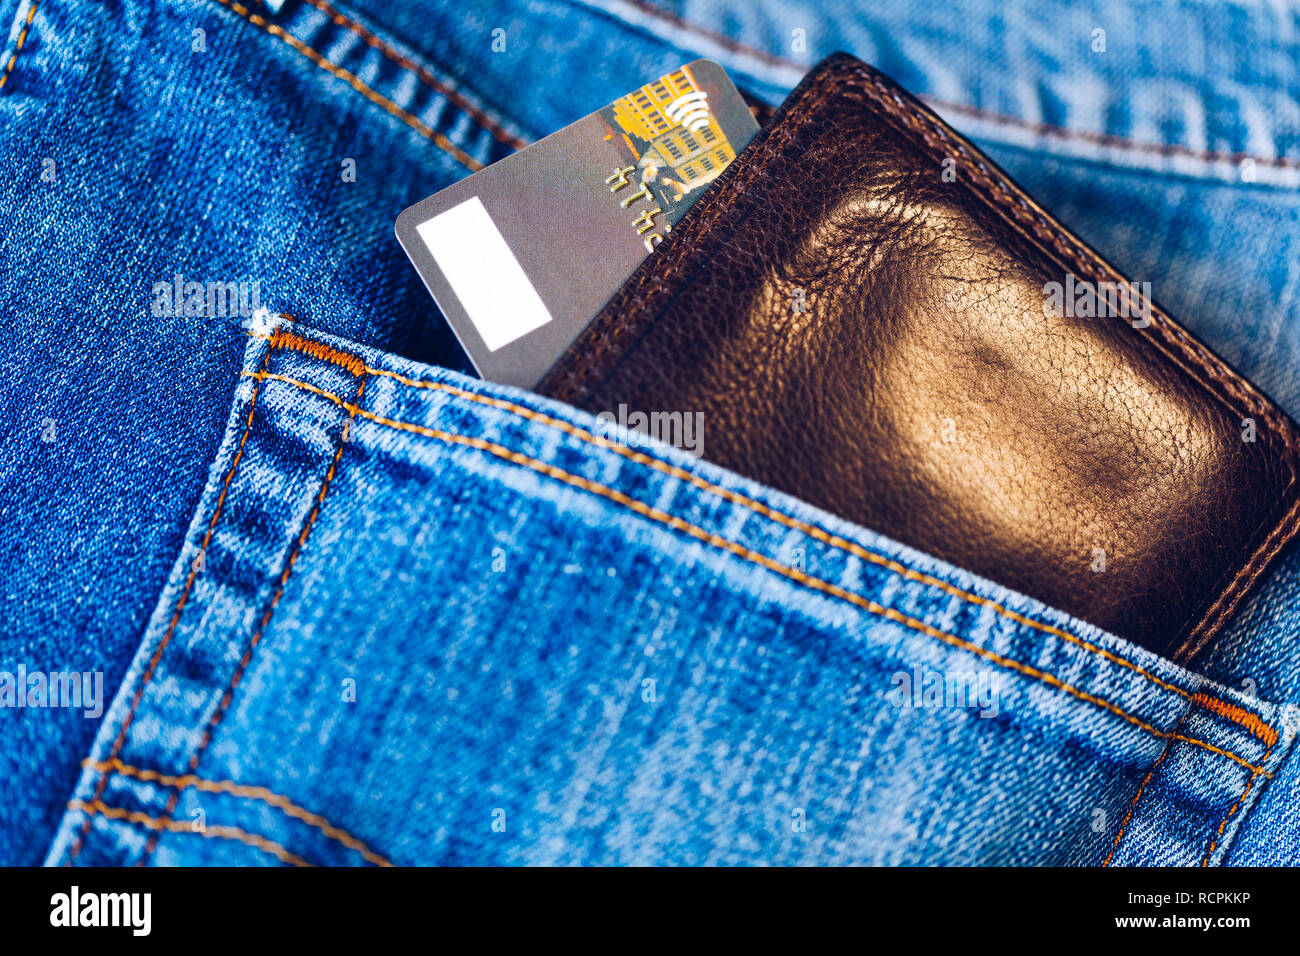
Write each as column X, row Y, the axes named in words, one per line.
column 862, row 308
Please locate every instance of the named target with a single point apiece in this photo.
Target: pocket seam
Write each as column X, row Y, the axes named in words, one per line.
column 486, row 122
column 283, row 338
column 1132, row 807
column 1214, row 842
column 97, row 807
column 410, row 119
column 120, row 741
column 680, row 524
column 244, row 792
column 228, row 695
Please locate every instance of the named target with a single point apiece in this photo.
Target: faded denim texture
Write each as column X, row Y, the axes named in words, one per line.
column 499, row 584
column 566, row 651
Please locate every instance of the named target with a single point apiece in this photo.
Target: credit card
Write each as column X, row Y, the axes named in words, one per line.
column 521, row 256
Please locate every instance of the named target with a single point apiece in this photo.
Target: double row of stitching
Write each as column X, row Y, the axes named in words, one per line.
column 1214, row 705
column 352, row 363
column 94, row 808
column 1240, row 715
column 102, row 782
column 410, row 119
column 243, row 791
column 376, row 43
column 229, row 695
column 679, row 524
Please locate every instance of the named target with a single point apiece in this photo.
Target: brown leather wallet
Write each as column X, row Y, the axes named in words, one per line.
column 874, row 318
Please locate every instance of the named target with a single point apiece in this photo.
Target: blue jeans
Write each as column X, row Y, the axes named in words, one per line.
column 352, row 606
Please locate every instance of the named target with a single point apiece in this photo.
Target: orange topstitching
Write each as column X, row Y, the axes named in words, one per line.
column 282, row 338
column 18, row 46
column 483, row 120
column 219, row 714
column 95, row 808
column 1231, row 711
column 120, row 740
column 1233, row 811
column 754, row 557
column 1238, row 715
column 410, row 119
column 1141, row 788
column 245, row 791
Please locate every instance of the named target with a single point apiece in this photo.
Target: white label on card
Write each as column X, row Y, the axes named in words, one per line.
column 484, row 274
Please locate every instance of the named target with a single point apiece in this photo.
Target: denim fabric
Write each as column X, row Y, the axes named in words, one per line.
column 445, row 622
column 222, row 165
column 135, row 149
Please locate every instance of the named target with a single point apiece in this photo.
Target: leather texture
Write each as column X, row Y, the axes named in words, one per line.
column 870, row 334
